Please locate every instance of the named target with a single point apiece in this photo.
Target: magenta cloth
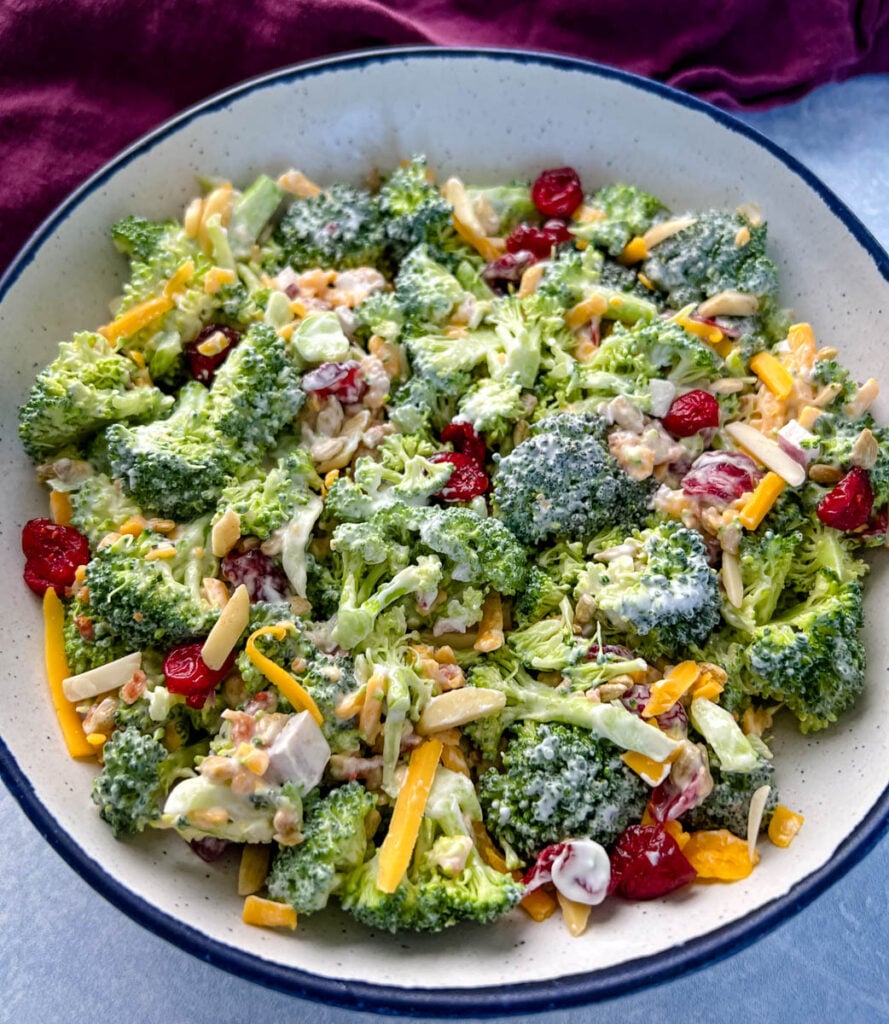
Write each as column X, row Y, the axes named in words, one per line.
column 80, row 79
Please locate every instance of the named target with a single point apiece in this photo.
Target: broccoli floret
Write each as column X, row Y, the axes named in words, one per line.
column 549, row 644
column 539, row 597
column 628, row 212
column 324, row 582
column 138, row 238
column 148, row 601
column 441, row 355
column 414, row 209
column 86, row 387
column 563, row 482
column 137, row 774
column 810, row 656
column 831, row 372
column 340, row 228
column 379, row 314
column 267, row 499
column 493, row 407
column 529, row 699
column 447, row 880
column 89, row 642
column 662, row 598
column 428, row 401
column 572, row 276
column 766, row 559
column 705, row 258
column 99, row 506
column 334, row 844
column 401, row 472
column 559, row 782
column 728, row 805
column 426, row 291
column 179, row 466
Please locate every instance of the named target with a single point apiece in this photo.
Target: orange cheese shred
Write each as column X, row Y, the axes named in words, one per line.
column 296, row 694
column 719, row 855
column 486, row 247
column 784, row 826
column 60, row 508
column 268, row 914
column 584, row 311
column 776, row 377
column 763, row 498
column 539, row 904
column 56, row 671
column 665, row 692
column 398, row 846
column 136, row 317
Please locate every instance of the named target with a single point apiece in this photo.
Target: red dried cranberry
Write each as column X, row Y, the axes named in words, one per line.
column 52, row 555
column 187, row 674
column 538, row 241
column 557, row 192
column 341, row 380
column 541, row 871
column 262, row 577
column 721, row 477
column 461, row 434
column 204, row 367
column 468, row 479
column 209, row 848
column 691, row 412
column 647, row 863
column 594, row 650
column 507, row 270
column 849, row 505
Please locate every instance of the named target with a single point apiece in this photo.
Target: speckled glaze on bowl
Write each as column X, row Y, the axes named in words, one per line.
column 487, row 116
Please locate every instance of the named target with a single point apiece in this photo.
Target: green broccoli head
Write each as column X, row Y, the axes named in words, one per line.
column 333, row 846
column 562, row 482
column 148, row 601
column 447, row 880
column 138, row 238
column 428, row 401
column 628, row 212
column 664, row 597
column 493, row 407
column 340, row 228
column 86, row 387
column 766, row 558
column 414, row 210
column 99, row 506
column 728, row 805
column 538, row 598
column 137, row 774
column 267, row 499
column 559, row 782
column 89, row 642
column 427, row 292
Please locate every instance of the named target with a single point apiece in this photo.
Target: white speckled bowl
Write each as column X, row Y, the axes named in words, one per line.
column 487, row 116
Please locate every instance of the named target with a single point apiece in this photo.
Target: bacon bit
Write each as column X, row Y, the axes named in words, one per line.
column 133, row 689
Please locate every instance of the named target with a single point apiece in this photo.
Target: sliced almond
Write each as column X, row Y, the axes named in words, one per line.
column 233, row 620
column 576, row 915
column 112, row 676
column 729, row 303
column 826, row 395
column 731, row 579
column 666, row 229
column 864, row 398
column 865, row 450
column 297, row 184
column 751, row 213
column 214, row 592
column 754, row 817
column 457, row 707
column 768, row 452
column 225, row 533
column 742, row 236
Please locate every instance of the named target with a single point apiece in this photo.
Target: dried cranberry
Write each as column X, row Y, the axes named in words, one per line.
column 187, row 674
column 594, row 650
column 557, row 192
column 261, row 575
column 647, row 863
column 691, row 412
column 343, row 381
column 203, row 367
column 849, row 505
column 468, row 479
column 52, row 555
column 209, row 848
column 541, row 871
column 721, row 477
column 538, row 241
column 461, row 434
column 507, row 270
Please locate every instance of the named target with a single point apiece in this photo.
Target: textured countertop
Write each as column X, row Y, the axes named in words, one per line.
column 66, row 955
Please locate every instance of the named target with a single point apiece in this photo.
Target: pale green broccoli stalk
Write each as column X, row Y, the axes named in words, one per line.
column 146, row 602
column 628, row 212
column 562, row 482
column 559, row 782
column 493, row 407
column 663, row 598
column 400, row 472
column 137, row 773
column 447, row 881
column 179, row 466
column 340, row 228
column 414, row 210
column 334, row 844
column 99, row 506
column 319, row 338
column 529, row 699
column 728, row 805
column 511, row 204
column 549, row 644
column 251, row 212
column 86, row 387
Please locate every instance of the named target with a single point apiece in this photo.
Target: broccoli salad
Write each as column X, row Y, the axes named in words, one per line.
column 440, row 550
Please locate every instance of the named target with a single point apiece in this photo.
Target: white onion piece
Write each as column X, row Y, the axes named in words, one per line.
column 662, row 394
column 754, row 817
column 582, row 872
column 790, row 438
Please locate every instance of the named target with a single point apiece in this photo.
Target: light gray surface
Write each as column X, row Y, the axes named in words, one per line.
column 67, row 955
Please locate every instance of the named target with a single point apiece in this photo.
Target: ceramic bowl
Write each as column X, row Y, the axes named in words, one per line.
column 487, row 116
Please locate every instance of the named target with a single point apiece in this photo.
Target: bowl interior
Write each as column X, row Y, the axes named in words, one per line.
column 487, row 118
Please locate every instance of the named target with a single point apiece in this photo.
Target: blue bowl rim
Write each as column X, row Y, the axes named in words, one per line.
column 521, row 998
